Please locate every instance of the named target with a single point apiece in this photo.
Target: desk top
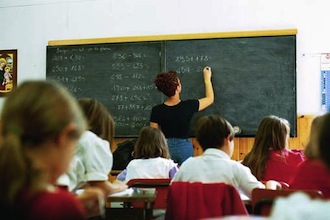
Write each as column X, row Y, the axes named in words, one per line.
column 134, row 194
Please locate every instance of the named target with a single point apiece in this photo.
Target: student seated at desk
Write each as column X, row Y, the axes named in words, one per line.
column 152, row 159
column 93, row 158
column 41, row 124
column 215, row 135
column 313, row 173
column 270, row 157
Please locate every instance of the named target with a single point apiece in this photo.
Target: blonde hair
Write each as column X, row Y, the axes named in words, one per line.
column 34, row 113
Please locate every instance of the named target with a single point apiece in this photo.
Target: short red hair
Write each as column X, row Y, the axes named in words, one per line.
column 167, row 83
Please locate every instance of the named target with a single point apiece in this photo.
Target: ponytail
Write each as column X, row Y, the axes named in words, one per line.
column 13, row 168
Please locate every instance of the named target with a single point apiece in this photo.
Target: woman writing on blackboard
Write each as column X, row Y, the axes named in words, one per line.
column 174, row 115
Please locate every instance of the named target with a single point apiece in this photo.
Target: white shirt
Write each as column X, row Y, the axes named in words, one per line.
column 150, row 168
column 214, row 165
column 299, row 206
column 92, row 161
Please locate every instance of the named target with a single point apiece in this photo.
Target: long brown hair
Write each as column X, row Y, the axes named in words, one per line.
column 311, row 149
column 151, row 143
column 99, row 119
column 272, row 134
column 324, row 140
column 34, row 113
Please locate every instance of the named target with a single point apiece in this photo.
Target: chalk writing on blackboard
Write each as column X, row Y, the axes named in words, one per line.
column 118, row 75
column 252, row 77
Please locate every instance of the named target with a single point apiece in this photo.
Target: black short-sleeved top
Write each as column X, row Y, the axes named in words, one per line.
column 174, row 121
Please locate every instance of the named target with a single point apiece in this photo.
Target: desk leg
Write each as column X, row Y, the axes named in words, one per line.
column 148, row 210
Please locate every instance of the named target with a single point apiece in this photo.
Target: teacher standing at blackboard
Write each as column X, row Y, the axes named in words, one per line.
column 174, row 115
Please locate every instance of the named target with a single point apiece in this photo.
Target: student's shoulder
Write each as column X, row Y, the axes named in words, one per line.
column 296, row 153
column 86, row 137
column 135, row 162
column 90, row 138
column 190, row 163
column 238, row 166
column 167, row 162
column 59, row 204
column 57, row 200
column 88, row 134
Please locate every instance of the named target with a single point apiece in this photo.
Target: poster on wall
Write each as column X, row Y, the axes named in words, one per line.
column 8, row 71
column 325, row 82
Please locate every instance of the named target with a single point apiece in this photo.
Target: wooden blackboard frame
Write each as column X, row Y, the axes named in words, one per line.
column 233, row 34
column 183, row 37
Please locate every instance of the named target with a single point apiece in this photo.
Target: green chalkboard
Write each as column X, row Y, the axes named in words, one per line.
column 252, row 77
column 118, row 75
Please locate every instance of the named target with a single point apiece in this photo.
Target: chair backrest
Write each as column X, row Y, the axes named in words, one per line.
column 191, row 201
column 263, row 199
column 161, row 185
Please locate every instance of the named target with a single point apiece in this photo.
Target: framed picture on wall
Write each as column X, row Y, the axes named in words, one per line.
column 8, row 71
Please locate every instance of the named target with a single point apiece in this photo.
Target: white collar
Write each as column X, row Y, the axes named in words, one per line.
column 216, row 152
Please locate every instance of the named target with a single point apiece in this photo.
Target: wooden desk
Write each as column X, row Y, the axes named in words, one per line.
column 147, row 196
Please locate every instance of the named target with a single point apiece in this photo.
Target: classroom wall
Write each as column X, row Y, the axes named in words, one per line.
column 27, row 25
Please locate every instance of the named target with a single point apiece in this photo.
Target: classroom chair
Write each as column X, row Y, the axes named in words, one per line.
column 263, row 199
column 161, row 185
column 192, row 201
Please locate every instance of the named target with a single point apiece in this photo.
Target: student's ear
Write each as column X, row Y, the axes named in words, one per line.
column 229, row 145
column 229, row 138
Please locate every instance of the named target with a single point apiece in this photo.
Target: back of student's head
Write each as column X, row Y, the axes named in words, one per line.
column 151, row 143
column 99, row 119
column 272, row 134
column 167, row 83
column 311, row 149
column 33, row 114
column 324, row 140
column 211, row 130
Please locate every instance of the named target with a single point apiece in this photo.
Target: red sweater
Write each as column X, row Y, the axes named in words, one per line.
column 191, row 201
column 312, row 174
column 282, row 164
column 59, row 204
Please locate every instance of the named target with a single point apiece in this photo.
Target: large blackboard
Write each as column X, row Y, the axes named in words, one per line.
column 252, row 77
